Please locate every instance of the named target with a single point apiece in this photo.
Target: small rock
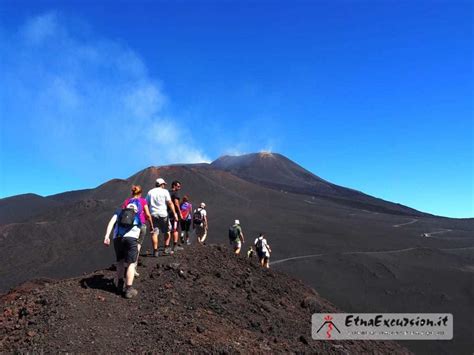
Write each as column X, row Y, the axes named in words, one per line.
column 31, row 333
column 174, row 266
column 200, row 329
column 254, row 324
column 312, row 304
column 23, row 312
column 303, row 339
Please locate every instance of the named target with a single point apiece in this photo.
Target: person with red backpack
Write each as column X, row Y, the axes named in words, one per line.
column 186, row 212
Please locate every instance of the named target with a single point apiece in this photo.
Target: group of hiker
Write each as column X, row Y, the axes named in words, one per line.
column 262, row 248
column 168, row 214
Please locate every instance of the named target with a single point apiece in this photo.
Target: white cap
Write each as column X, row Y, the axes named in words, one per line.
column 160, row 181
column 237, row 221
column 203, row 205
column 132, row 205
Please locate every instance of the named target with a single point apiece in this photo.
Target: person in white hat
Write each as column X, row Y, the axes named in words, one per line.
column 200, row 224
column 159, row 200
column 236, row 236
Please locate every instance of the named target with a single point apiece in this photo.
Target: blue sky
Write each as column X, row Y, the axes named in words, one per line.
column 372, row 95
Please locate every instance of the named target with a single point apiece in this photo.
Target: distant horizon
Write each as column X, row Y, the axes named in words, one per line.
column 375, row 96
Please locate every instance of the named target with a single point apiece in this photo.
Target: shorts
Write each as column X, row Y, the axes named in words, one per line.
column 142, row 235
column 173, row 225
column 237, row 244
column 200, row 231
column 263, row 256
column 185, row 225
column 161, row 224
column 126, row 249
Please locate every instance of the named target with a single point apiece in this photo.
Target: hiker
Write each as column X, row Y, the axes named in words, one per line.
column 263, row 250
column 175, row 222
column 144, row 215
column 186, row 209
column 126, row 224
column 200, row 223
column 250, row 252
column 236, row 236
column 159, row 200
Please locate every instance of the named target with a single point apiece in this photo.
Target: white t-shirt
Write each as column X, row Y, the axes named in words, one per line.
column 264, row 245
column 132, row 233
column 157, row 199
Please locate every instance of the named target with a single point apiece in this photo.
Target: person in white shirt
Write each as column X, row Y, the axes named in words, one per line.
column 125, row 240
column 159, row 200
column 263, row 250
column 200, row 223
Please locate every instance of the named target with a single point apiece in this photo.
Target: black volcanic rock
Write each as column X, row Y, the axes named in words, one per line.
column 171, row 314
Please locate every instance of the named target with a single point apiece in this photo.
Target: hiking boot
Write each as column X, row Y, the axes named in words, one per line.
column 130, row 292
column 155, row 253
column 177, row 248
column 119, row 289
column 188, row 242
column 168, row 251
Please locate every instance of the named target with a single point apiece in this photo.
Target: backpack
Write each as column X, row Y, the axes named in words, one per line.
column 259, row 245
column 197, row 217
column 186, row 210
column 233, row 233
column 128, row 217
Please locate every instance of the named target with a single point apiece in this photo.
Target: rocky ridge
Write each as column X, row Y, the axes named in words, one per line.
column 203, row 299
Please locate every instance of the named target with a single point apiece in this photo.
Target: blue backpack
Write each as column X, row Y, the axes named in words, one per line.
column 128, row 217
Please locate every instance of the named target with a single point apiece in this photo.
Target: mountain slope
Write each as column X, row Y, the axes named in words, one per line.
column 278, row 172
column 316, row 238
column 22, row 207
column 206, row 300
